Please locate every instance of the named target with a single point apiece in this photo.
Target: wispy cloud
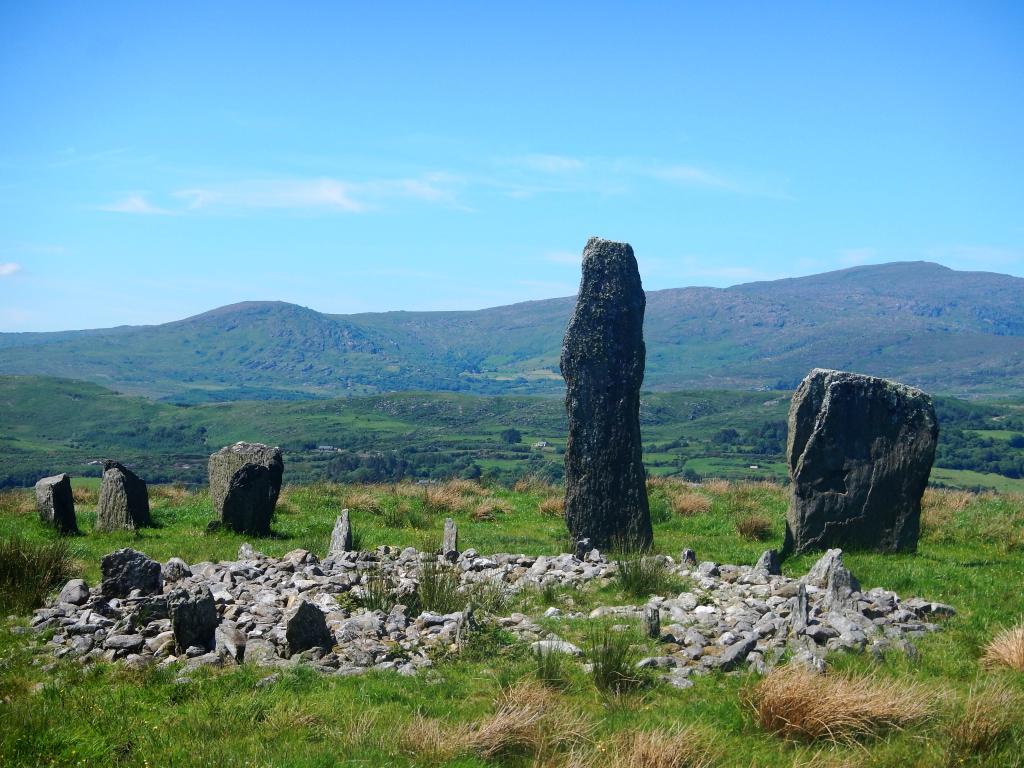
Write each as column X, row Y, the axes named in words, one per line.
column 134, row 203
column 852, row 257
column 564, row 257
column 691, row 176
column 548, row 163
column 9, row 268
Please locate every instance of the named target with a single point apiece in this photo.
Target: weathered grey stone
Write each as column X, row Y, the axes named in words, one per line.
column 824, row 571
column 193, row 617
column 56, row 504
column 602, row 362
column 688, row 558
column 128, row 569
column 582, row 549
column 860, row 450
column 229, row 642
column 341, row 536
column 75, row 592
column 555, row 646
column 450, row 542
column 175, row 569
column 652, row 621
column 124, row 499
column 305, row 628
column 769, row 563
column 245, row 480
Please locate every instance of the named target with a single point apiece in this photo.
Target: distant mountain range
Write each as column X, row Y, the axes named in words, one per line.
column 947, row 331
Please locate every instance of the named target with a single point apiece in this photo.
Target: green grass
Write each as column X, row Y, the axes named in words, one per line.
column 971, row 556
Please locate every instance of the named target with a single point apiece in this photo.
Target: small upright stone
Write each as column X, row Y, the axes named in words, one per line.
column 124, row 499
column 56, row 504
column 582, row 549
column 193, row 617
column 652, row 621
column 341, row 537
column 860, row 450
column 689, row 558
column 245, row 480
column 128, row 569
column 602, row 362
column 769, row 563
column 450, row 542
column 306, row 627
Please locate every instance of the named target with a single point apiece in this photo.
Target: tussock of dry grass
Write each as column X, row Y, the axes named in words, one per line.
column 443, row 499
column 175, row 494
column 717, row 487
column 83, row 495
column 987, row 721
column 688, row 503
column 534, row 485
column 552, row 506
column 467, row 487
column 17, row 502
column 1006, row 649
column 489, row 509
column 433, row 741
column 795, row 703
column 531, row 719
column 362, row 500
column 754, row 527
column 677, row 748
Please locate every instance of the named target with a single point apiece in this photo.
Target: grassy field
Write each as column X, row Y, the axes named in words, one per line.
column 971, row 556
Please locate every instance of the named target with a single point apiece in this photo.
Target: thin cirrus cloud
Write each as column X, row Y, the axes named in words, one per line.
column 135, row 203
column 9, row 268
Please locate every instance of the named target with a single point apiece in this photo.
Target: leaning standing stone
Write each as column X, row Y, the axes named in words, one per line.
column 124, row 499
column 450, row 540
column 56, row 504
column 245, row 480
column 603, row 364
column 860, row 451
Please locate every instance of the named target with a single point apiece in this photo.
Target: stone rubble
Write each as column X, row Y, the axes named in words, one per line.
column 298, row 609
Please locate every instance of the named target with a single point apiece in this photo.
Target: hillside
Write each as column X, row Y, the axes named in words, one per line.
column 55, row 425
column 959, row 333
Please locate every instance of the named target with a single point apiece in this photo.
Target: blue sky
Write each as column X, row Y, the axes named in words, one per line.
column 161, row 159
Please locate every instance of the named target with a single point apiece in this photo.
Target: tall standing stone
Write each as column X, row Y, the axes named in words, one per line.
column 245, row 480
column 124, row 499
column 860, row 451
column 341, row 536
column 56, row 504
column 602, row 361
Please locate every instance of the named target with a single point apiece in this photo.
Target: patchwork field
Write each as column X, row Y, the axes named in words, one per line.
column 496, row 704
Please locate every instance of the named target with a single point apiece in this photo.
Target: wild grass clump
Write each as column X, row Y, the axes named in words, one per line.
column 795, row 703
column 640, row 575
column 614, row 657
column 754, row 527
column 29, row 570
column 176, row 493
column 552, row 506
column 551, row 667
column 17, row 502
column 987, row 721
column 663, row 748
column 1006, row 649
column 83, row 495
column 379, row 592
column 438, row 589
column 537, row 486
column 488, row 510
column 531, row 720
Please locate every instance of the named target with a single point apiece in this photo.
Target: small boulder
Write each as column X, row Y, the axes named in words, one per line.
column 229, row 642
column 56, row 504
column 306, row 627
column 193, row 617
column 75, row 592
column 124, row 499
column 128, row 569
column 245, row 480
column 175, row 569
column 769, row 563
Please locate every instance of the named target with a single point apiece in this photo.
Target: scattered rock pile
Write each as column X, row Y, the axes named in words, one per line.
column 299, row 609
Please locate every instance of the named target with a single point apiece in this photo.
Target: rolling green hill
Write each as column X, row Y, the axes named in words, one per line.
column 52, row 425
column 958, row 333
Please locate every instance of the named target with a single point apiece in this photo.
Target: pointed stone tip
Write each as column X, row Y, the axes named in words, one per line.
column 597, row 245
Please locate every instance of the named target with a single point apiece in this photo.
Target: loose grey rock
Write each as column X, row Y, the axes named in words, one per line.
column 261, row 653
column 341, row 536
column 245, row 480
column 305, row 628
column 126, row 570
column 229, row 642
column 75, row 592
column 652, row 621
column 56, row 504
column 688, row 558
column 602, row 361
column 175, row 569
column 124, row 499
column 860, row 450
column 193, row 617
column 555, row 646
column 769, row 563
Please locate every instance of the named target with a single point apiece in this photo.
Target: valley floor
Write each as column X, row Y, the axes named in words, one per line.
column 486, row 706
